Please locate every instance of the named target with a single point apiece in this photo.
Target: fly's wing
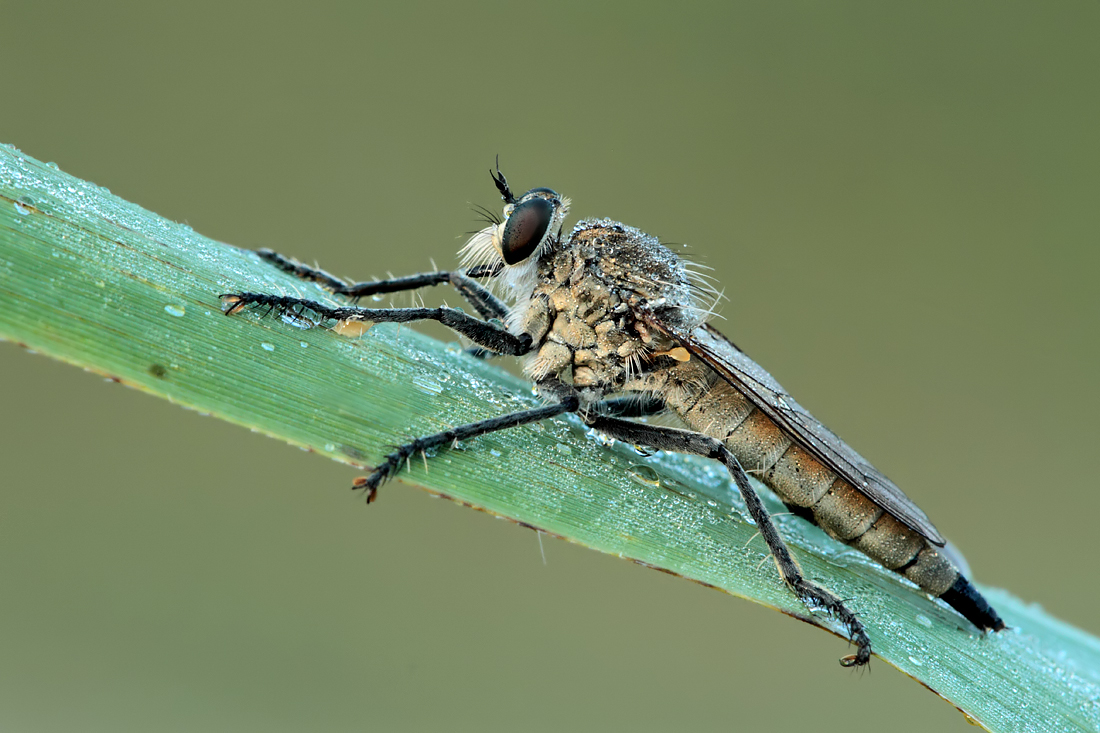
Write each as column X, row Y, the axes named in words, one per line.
column 765, row 393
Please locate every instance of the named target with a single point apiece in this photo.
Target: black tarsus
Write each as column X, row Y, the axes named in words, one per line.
column 685, row 441
column 488, row 335
column 392, row 463
column 966, row 599
column 502, row 184
column 305, row 272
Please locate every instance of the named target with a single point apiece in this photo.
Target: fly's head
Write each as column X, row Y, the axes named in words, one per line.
column 530, row 228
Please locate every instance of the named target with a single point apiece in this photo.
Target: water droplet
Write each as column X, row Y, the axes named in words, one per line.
column 377, row 297
column 495, row 453
column 53, row 165
column 563, row 449
column 21, row 208
column 330, row 447
column 267, row 347
column 428, row 384
column 174, row 310
column 601, row 438
column 304, row 344
column 297, row 321
column 916, row 662
column 645, row 475
column 923, row 620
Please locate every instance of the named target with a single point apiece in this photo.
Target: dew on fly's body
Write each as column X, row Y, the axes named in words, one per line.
column 602, row 439
column 298, row 320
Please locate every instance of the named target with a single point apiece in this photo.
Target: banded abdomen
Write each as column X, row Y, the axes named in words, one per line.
column 708, row 404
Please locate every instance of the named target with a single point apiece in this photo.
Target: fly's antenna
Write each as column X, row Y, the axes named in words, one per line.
column 502, row 184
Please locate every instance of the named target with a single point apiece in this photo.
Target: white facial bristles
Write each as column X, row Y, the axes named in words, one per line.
column 482, row 249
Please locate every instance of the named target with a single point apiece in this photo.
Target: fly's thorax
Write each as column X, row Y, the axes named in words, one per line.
column 580, row 311
column 640, row 269
column 584, row 330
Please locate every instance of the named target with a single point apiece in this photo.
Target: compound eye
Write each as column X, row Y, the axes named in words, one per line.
column 525, row 230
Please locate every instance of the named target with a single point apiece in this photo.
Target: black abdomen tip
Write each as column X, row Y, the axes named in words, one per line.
column 965, row 598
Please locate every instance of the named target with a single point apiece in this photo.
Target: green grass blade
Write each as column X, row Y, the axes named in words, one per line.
column 93, row 280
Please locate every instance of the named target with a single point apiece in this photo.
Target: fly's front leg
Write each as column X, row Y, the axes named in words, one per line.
column 491, row 336
column 683, row 441
column 485, row 303
column 392, row 463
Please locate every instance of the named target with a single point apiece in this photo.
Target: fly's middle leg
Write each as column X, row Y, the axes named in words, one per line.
column 486, row 334
column 684, row 441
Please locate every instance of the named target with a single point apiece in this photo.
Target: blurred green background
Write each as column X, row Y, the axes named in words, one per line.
column 902, row 206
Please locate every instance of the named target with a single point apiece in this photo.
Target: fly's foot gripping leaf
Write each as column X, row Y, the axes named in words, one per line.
column 814, row 596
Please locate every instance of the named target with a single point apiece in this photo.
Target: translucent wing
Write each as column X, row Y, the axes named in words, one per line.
column 762, row 390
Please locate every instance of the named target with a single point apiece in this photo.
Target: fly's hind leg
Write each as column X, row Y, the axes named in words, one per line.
column 641, row 405
column 684, row 441
column 389, row 467
column 465, row 282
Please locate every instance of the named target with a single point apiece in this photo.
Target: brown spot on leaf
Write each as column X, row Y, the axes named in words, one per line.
column 352, row 452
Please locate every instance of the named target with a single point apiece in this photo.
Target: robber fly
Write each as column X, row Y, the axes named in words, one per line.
column 612, row 326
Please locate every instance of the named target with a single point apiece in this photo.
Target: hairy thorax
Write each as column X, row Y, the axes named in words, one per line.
column 580, row 309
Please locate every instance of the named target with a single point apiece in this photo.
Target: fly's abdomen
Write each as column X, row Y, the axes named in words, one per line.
column 713, row 407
